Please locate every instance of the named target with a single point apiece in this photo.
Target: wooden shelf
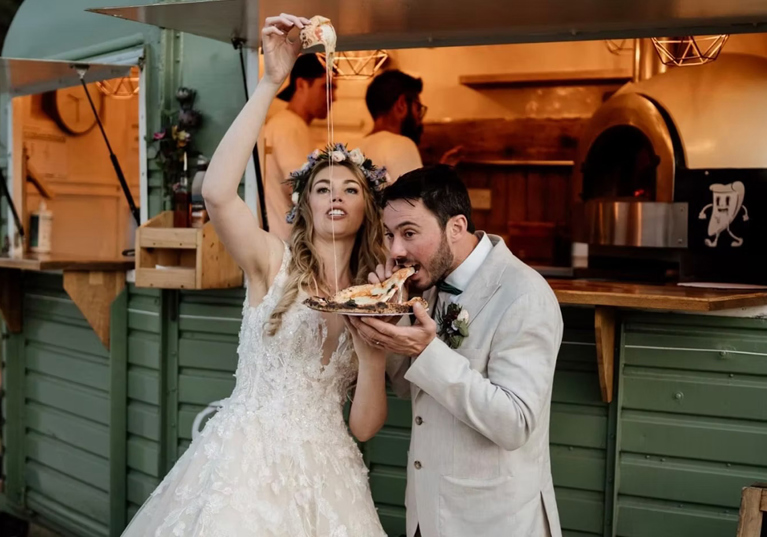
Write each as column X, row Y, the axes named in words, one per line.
column 41, row 262
column 91, row 283
column 183, row 258
column 575, row 78
column 653, row 297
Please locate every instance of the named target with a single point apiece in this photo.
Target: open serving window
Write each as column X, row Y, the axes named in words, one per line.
column 74, row 168
column 76, row 163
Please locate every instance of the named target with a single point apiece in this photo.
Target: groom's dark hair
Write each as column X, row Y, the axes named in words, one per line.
column 438, row 187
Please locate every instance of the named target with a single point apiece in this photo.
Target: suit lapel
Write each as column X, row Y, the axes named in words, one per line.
column 486, row 281
column 481, row 288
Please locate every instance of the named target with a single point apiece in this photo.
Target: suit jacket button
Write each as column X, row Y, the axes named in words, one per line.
column 417, row 465
column 418, row 420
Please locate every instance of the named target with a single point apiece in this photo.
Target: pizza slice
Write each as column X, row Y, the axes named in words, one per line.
column 371, row 298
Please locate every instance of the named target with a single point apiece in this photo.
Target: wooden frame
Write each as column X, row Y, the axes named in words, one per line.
column 753, row 506
column 183, row 258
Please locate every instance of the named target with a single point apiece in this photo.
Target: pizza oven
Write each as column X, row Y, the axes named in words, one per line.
column 671, row 176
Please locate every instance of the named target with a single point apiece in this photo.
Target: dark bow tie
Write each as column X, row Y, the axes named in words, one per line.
column 444, row 287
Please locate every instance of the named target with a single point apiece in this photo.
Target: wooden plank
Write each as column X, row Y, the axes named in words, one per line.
column 11, row 299
column 144, row 420
column 604, row 326
column 144, row 350
column 681, row 480
column 143, row 385
column 520, row 139
column 654, row 297
column 205, row 354
column 140, row 486
column 79, row 432
column 59, row 365
column 175, row 238
column 751, row 517
column 573, row 426
column 698, row 394
column 639, row 517
column 71, row 493
column 218, row 268
column 94, row 292
column 71, row 337
column 118, row 412
column 387, row 485
column 63, row 518
column 580, row 510
column 16, row 419
column 68, row 460
column 204, row 389
column 143, row 455
column 578, row 468
column 481, row 199
column 389, row 447
column 77, row 400
column 576, row 387
column 712, row 439
column 39, row 262
column 572, row 78
column 171, row 278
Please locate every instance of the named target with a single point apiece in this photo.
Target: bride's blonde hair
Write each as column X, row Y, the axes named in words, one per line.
column 305, row 271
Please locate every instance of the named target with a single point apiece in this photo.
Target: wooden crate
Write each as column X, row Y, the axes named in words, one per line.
column 182, row 258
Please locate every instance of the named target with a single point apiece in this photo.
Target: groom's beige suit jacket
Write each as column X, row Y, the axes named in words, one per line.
column 478, row 464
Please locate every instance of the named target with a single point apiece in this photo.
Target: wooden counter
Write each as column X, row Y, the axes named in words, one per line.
column 654, row 297
column 92, row 284
column 608, row 296
column 40, row 262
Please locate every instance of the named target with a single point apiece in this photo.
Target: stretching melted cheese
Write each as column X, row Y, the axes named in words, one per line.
column 371, row 294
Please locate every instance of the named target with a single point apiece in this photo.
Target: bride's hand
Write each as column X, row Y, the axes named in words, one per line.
column 364, row 350
column 280, row 52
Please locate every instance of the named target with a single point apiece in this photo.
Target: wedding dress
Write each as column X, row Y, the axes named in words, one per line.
column 277, row 458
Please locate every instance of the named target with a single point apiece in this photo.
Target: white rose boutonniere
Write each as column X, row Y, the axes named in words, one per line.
column 453, row 325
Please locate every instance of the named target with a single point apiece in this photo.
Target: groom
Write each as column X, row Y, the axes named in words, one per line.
column 479, row 374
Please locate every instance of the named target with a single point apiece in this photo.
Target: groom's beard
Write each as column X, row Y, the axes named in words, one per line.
column 439, row 265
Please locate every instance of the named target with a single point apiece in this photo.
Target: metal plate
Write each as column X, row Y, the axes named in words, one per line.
column 25, row 77
column 372, row 24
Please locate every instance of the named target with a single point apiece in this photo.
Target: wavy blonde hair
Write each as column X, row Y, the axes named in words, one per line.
column 305, row 269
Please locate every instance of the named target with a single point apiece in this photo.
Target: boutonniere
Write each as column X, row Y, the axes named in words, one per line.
column 453, row 325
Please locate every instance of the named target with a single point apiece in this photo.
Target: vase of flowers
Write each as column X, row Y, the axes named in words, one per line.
column 176, row 143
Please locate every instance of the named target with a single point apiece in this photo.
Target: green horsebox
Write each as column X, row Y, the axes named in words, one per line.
column 659, row 415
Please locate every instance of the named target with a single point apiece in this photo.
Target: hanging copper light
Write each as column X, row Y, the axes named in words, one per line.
column 121, row 88
column 357, row 65
column 689, row 50
column 619, row 46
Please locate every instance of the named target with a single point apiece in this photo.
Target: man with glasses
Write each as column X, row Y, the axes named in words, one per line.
column 393, row 99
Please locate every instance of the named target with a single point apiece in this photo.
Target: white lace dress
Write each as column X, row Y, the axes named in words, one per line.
column 277, row 458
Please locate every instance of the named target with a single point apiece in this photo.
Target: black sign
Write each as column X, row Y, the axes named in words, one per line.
column 727, row 223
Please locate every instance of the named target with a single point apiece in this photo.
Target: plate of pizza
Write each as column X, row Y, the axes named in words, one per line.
column 372, row 299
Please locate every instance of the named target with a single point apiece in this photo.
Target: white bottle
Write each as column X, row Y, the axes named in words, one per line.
column 41, row 226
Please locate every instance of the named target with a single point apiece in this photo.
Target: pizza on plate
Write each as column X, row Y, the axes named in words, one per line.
column 384, row 298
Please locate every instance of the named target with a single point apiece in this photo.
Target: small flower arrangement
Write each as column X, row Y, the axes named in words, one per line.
column 176, row 138
column 453, row 325
column 376, row 177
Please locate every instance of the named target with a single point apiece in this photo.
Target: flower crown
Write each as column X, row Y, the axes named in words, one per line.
column 376, row 177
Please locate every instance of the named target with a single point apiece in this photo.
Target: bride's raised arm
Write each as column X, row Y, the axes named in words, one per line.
column 257, row 252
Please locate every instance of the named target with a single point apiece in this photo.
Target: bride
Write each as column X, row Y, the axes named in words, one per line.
column 277, row 459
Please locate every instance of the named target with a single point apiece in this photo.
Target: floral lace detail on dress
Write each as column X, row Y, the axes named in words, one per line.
column 277, row 459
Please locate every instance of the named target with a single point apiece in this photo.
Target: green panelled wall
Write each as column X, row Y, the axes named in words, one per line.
column 692, row 423
column 57, row 384
column 144, row 396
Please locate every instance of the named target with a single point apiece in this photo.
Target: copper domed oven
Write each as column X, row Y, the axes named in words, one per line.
column 671, row 176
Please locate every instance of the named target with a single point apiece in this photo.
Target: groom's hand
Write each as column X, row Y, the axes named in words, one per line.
column 404, row 340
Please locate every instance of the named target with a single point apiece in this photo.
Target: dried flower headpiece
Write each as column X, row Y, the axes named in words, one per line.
column 376, row 177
